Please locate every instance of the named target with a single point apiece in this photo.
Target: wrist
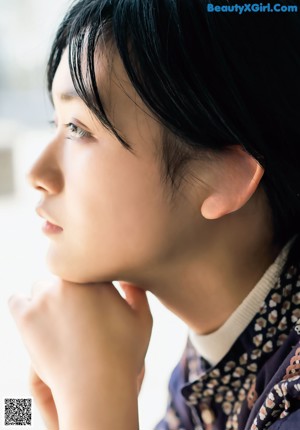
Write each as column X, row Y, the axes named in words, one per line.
column 107, row 401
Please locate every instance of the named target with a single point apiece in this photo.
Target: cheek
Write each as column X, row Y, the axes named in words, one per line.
column 123, row 218
column 117, row 220
column 111, row 239
column 115, row 198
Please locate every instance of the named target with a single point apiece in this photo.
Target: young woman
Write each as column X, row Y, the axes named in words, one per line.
column 173, row 169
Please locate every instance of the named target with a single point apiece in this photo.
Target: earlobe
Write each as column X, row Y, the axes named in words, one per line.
column 233, row 182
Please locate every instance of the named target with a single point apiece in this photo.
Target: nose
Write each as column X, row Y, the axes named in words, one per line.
column 46, row 175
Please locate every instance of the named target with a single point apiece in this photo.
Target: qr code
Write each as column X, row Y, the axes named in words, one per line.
column 17, row 412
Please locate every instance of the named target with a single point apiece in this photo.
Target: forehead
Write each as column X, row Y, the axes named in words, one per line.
column 111, row 79
column 62, row 82
column 123, row 106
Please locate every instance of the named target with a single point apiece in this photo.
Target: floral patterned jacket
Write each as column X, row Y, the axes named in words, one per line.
column 256, row 386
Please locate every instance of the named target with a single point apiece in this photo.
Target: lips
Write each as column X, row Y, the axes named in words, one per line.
column 51, row 228
column 50, row 225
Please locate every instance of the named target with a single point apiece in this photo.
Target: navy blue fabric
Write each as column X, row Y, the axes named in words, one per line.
column 291, row 422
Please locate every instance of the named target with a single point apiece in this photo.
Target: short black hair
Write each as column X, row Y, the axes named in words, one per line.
column 211, row 79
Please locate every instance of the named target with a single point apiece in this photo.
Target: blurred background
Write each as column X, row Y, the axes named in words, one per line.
column 26, row 30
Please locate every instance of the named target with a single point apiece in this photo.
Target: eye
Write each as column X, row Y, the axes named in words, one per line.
column 77, row 132
column 52, row 123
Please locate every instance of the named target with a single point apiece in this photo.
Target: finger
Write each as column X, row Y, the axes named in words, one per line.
column 40, row 286
column 140, row 379
column 18, row 304
column 35, row 381
column 38, row 388
column 44, row 400
column 136, row 298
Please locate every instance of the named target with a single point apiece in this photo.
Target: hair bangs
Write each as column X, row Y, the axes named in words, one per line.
column 86, row 31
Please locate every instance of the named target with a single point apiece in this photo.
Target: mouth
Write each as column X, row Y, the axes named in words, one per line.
column 49, row 227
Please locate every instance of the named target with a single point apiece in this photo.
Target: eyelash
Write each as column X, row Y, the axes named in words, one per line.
column 76, row 131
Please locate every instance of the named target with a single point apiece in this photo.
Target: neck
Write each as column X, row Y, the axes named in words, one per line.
column 204, row 288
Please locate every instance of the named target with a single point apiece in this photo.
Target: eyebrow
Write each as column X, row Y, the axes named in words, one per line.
column 68, row 96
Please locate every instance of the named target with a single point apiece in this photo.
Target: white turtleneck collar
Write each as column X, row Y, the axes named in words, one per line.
column 214, row 346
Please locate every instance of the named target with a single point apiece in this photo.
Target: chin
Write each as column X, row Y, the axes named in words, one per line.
column 76, row 271
column 68, row 274
column 62, row 267
column 64, row 271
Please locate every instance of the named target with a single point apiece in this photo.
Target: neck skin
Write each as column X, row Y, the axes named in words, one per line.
column 204, row 288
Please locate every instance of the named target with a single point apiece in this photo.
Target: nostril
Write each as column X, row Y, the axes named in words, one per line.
column 33, row 182
column 45, row 177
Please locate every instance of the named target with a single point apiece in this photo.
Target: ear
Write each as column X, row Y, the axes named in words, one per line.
column 233, row 179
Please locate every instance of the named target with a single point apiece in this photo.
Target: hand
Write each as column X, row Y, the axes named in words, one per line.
column 140, row 379
column 44, row 400
column 82, row 339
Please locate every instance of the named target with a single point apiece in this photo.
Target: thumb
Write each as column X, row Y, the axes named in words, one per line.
column 136, row 298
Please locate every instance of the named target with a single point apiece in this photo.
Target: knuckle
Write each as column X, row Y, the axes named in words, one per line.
column 41, row 302
column 26, row 316
column 19, row 308
column 40, row 287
